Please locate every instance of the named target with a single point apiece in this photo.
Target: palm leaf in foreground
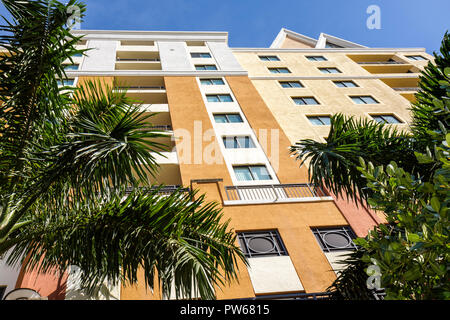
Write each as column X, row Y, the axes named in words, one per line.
column 175, row 239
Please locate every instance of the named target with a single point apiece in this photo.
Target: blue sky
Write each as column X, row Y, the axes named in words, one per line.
column 255, row 23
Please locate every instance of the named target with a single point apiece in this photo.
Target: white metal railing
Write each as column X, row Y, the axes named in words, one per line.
column 274, row 192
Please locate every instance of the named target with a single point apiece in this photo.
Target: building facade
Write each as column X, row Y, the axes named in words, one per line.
column 230, row 115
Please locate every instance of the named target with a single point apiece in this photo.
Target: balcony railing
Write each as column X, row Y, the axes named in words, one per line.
column 274, row 192
column 162, row 128
column 141, row 88
column 381, row 62
column 293, row 296
column 406, row 88
column 138, row 60
column 164, row 191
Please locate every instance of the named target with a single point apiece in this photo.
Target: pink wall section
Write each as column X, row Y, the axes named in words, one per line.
column 51, row 285
column 360, row 218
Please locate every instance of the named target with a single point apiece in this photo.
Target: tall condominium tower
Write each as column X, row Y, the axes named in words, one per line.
column 230, row 115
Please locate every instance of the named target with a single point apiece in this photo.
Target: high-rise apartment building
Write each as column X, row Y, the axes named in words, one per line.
column 230, row 115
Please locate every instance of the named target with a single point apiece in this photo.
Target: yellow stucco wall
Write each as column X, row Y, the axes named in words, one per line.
column 332, row 99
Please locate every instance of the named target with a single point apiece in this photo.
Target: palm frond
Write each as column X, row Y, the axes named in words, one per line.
column 178, row 238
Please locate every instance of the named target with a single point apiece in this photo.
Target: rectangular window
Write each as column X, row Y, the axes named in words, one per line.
column 385, row 118
column 71, row 67
column 345, row 84
column 205, row 67
column 291, row 84
column 329, row 70
column 417, row 58
column 77, row 55
column 244, row 142
column 305, row 100
column 279, row 70
column 219, row 98
column 269, row 58
column 212, row 82
column 228, row 118
column 332, row 45
column 251, row 173
column 261, row 243
column 316, row 58
column 319, row 120
column 364, row 100
column 200, row 55
column 335, row 239
column 66, row 82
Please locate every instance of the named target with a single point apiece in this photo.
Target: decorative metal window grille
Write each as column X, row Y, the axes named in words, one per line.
column 261, row 244
column 335, row 239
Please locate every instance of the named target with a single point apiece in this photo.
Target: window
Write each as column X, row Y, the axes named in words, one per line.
column 269, row 58
column 228, row 118
column 364, row 100
column 385, row 118
column 200, row 55
column 305, row 100
column 335, row 239
column 77, row 54
column 316, row 58
column 219, row 98
column 291, row 84
column 279, row 70
column 319, row 120
column 67, row 82
column 345, row 84
column 71, row 67
column 205, row 67
column 212, row 82
column 417, row 58
column 332, row 45
column 244, row 142
column 329, row 70
column 261, row 244
column 250, row 173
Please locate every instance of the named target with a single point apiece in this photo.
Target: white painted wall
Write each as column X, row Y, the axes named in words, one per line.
column 8, row 275
column 224, row 56
column 273, row 274
column 334, row 257
column 102, row 56
column 174, row 56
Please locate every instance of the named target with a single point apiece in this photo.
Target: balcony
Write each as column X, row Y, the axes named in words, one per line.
column 303, row 192
column 164, row 191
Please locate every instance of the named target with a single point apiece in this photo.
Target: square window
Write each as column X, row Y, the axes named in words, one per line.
column 228, row 118
column 291, row 84
column 219, row 98
column 200, row 55
column 329, row 70
column 269, row 58
column 305, row 100
column 212, row 82
column 364, row 100
column 386, row 118
column 335, row 239
column 251, row 173
column 279, row 70
column 316, row 58
column 207, row 67
column 345, row 84
column 261, row 244
column 243, row 142
column 320, row 120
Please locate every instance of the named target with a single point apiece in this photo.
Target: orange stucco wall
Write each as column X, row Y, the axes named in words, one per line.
column 292, row 220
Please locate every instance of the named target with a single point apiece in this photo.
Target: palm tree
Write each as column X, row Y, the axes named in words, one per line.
column 352, row 144
column 68, row 156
